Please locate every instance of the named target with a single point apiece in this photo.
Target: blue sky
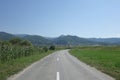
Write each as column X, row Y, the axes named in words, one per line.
column 51, row 18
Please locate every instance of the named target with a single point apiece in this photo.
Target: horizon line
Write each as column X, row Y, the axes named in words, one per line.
column 55, row 36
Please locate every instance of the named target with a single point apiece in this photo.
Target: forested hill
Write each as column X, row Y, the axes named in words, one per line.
column 64, row 40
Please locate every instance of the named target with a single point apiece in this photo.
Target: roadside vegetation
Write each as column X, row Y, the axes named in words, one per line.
column 104, row 58
column 17, row 54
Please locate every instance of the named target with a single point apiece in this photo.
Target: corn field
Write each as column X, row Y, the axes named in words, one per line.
column 8, row 52
column 17, row 48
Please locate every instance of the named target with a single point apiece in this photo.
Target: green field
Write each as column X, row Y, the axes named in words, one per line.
column 17, row 54
column 13, row 66
column 106, row 59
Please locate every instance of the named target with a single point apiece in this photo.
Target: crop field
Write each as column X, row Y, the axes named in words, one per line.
column 17, row 56
column 106, row 59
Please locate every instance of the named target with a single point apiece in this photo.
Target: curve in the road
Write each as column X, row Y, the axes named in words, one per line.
column 60, row 66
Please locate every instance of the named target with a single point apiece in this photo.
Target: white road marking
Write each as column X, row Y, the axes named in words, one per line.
column 58, row 59
column 58, row 76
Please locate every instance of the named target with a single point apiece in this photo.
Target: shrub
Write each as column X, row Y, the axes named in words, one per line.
column 52, row 47
column 45, row 49
column 25, row 43
column 15, row 41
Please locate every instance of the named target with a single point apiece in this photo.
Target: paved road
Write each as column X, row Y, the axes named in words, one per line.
column 60, row 66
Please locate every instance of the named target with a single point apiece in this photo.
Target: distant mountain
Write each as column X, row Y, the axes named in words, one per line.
column 63, row 40
column 112, row 41
column 37, row 40
column 5, row 36
column 71, row 40
column 21, row 35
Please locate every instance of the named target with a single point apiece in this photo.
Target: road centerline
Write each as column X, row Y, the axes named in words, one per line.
column 58, row 76
column 58, row 59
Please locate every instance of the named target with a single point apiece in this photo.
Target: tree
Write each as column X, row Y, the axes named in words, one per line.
column 45, row 49
column 20, row 42
column 15, row 41
column 25, row 43
column 52, row 47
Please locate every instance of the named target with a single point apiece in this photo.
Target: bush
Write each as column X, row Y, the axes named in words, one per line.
column 20, row 42
column 15, row 41
column 25, row 43
column 52, row 47
column 45, row 49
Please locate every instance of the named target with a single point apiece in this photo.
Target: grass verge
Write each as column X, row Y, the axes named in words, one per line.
column 106, row 59
column 13, row 66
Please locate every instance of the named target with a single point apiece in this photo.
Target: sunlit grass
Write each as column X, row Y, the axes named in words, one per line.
column 106, row 59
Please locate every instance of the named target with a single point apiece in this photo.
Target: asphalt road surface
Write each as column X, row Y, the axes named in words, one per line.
column 60, row 66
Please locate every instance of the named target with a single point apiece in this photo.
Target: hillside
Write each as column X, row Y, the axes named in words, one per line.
column 37, row 40
column 71, row 40
column 63, row 40
column 5, row 36
column 112, row 41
